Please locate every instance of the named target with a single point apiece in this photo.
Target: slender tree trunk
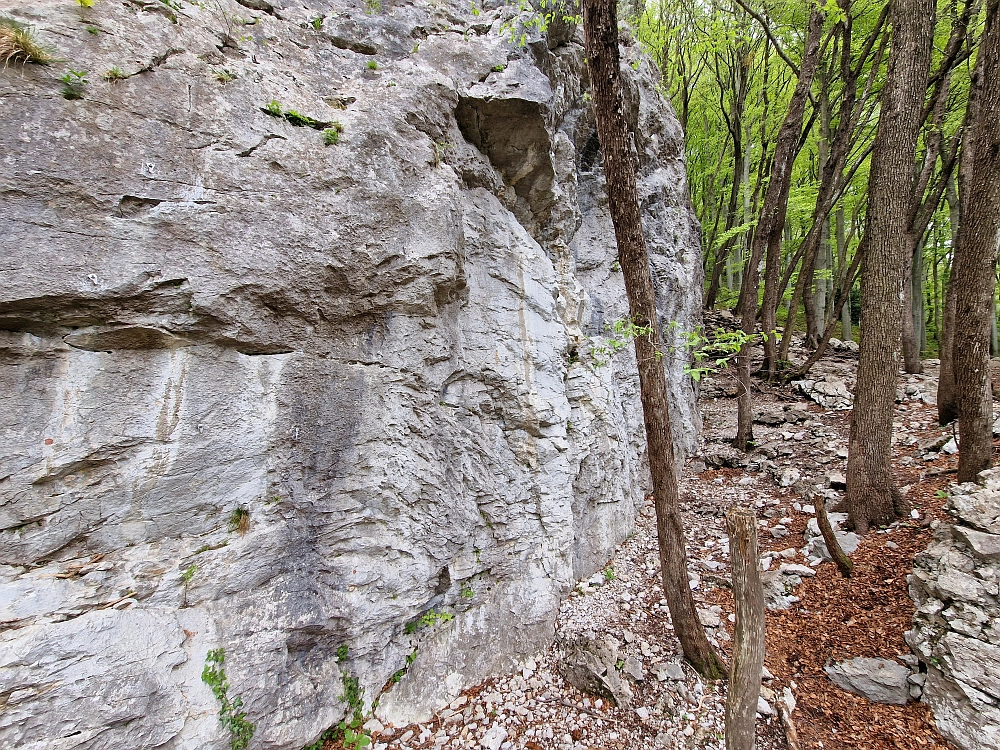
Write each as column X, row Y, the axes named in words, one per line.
column 748, row 635
column 816, row 298
column 919, row 310
column 911, row 349
column 975, row 265
column 601, row 31
column 844, row 299
column 872, row 496
column 947, row 405
column 846, row 331
column 772, row 214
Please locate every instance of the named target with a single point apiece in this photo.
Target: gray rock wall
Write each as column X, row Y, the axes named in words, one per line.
column 379, row 349
column 956, row 629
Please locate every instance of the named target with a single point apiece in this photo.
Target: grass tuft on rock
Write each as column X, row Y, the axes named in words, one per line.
column 19, row 45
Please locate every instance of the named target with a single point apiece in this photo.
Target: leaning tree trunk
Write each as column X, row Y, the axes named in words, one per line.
column 772, row 213
column 601, row 29
column 748, row 634
column 975, row 266
column 872, row 496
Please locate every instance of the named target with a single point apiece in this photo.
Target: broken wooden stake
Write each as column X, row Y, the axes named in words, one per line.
column 748, row 635
column 840, row 557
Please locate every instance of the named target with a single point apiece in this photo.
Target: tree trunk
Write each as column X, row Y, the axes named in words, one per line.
column 872, row 497
column 846, row 331
column 911, row 348
column 919, row 310
column 772, row 213
column 946, row 405
column 975, row 266
column 601, row 30
column 748, row 634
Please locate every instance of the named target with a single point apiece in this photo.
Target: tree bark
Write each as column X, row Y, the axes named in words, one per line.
column 872, row 497
column 975, row 266
column 748, row 635
column 601, row 31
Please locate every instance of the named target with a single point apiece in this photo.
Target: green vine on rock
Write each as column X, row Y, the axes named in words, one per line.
column 232, row 718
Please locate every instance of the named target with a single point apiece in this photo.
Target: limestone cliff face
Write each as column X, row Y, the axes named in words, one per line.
column 377, row 350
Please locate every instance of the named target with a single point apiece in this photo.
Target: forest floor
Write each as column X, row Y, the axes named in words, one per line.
column 830, row 618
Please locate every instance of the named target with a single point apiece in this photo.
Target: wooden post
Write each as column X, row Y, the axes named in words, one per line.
column 748, row 638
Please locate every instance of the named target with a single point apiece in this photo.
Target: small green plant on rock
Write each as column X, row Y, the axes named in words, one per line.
column 467, row 592
column 239, row 520
column 372, row 7
column 498, row 68
column 115, row 74
column 73, row 82
column 427, row 620
column 92, row 30
column 609, row 573
column 85, row 3
column 317, row 23
column 294, row 117
column 539, row 17
column 331, row 136
column 186, row 578
column 18, row 45
column 440, row 149
column 300, row 120
column 224, row 75
column 214, row 675
column 371, row 65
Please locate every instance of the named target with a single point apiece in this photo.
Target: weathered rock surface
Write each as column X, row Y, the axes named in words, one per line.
column 879, row 680
column 956, row 626
column 829, row 391
column 590, row 664
column 379, row 350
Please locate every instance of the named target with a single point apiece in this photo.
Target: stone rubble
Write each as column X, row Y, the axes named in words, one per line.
column 956, row 626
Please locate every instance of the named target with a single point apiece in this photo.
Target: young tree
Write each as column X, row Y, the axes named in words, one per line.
column 872, row 497
column 603, row 59
column 974, row 279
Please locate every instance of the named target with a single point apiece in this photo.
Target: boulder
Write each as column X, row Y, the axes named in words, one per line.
column 591, row 666
column 878, row 680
